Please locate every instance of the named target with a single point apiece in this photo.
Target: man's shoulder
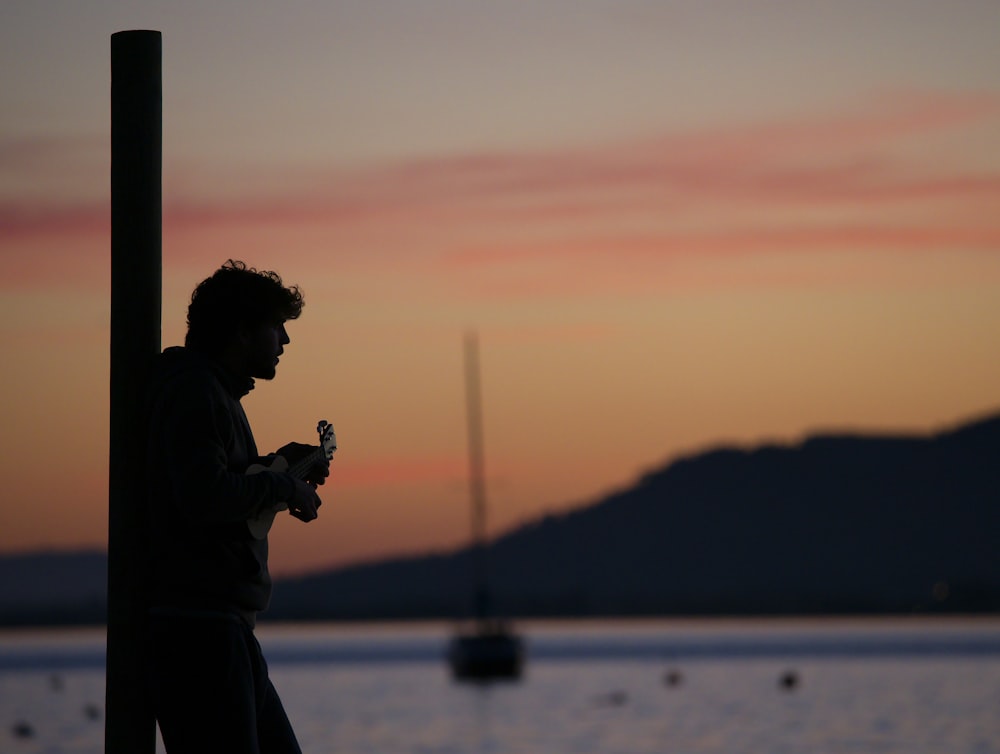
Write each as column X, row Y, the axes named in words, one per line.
column 178, row 361
column 178, row 368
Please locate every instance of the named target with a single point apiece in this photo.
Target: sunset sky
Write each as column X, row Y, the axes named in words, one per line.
column 673, row 225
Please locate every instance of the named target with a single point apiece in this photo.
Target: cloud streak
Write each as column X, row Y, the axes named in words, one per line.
column 851, row 180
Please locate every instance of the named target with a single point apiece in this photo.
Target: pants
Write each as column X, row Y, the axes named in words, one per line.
column 211, row 691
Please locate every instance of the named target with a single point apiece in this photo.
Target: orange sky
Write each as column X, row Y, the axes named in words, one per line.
column 672, row 226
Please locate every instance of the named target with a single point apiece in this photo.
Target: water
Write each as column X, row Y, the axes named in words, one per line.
column 863, row 687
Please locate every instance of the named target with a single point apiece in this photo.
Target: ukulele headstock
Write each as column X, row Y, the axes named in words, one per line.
column 327, row 439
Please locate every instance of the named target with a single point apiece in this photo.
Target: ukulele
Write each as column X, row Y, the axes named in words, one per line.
column 260, row 524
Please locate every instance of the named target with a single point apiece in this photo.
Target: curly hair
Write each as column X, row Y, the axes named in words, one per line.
column 237, row 298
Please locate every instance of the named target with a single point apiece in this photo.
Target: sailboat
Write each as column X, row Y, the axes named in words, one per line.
column 489, row 649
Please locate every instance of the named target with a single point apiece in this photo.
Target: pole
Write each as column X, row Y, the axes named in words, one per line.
column 136, row 281
column 477, row 474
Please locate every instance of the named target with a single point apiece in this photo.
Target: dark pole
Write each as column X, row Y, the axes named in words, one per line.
column 477, row 474
column 136, row 276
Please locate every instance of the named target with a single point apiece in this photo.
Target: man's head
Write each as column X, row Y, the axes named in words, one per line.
column 239, row 313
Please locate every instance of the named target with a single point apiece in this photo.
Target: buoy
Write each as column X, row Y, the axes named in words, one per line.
column 92, row 711
column 673, row 678
column 788, row 680
column 22, row 729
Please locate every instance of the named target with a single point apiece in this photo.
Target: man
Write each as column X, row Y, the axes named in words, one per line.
column 209, row 682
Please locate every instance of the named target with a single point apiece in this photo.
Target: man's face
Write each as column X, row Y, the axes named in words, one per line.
column 264, row 344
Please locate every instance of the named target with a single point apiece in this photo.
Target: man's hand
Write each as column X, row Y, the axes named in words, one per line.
column 305, row 502
column 296, row 451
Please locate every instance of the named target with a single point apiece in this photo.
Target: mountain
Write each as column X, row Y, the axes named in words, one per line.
column 837, row 523
column 834, row 524
column 53, row 587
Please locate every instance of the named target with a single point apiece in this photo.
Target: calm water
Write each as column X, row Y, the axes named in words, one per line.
column 872, row 687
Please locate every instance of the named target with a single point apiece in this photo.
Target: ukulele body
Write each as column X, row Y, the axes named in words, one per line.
column 260, row 524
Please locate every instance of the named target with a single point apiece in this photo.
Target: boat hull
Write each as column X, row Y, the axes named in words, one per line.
column 486, row 656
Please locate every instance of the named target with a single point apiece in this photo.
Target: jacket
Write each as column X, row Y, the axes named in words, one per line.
column 202, row 556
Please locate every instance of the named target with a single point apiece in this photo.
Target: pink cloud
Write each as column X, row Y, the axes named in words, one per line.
column 20, row 219
column 490, row 208
column 883, row 119
column 783, row 239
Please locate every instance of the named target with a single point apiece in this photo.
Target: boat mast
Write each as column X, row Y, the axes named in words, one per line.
column 477, row 474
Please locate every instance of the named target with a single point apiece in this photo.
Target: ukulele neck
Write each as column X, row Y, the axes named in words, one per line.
column 300, row 468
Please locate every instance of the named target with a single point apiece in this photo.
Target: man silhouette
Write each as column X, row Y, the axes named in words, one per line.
column 209, row 682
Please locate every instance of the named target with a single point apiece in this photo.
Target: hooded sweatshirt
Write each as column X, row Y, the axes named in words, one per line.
column 203, row 558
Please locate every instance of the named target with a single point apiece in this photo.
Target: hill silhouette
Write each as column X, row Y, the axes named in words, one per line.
column 835, row 524
column 845, row 523
column 53, row 587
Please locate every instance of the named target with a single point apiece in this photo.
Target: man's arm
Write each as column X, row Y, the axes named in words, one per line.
column 208, row 485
